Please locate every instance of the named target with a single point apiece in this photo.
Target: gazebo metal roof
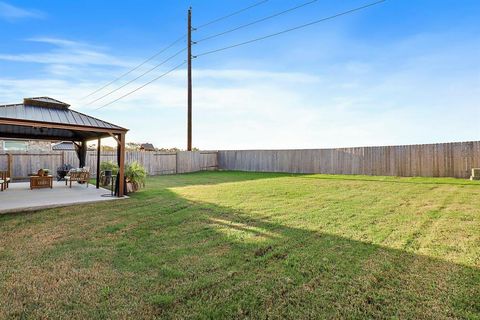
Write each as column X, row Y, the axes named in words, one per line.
column 47, row 118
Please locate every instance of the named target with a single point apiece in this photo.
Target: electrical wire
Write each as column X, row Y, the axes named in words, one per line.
column 238, row 44
column 256, row 21
column 290, row 29
column 168, row 47
column 140, row 76
column 231, row 14
column 143, row 86
column 138, row 66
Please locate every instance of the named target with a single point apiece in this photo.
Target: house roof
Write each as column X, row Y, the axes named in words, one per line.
column 44, row 117
column 147, row 146
column 64, row 146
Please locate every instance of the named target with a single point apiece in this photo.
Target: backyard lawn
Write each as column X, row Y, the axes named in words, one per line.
column 251, row 245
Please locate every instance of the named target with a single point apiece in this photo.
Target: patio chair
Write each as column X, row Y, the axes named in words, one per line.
column 79, row 175
column 4, row 180
column 63, row 171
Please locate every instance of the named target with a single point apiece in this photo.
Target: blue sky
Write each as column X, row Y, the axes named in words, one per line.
column 402, row 72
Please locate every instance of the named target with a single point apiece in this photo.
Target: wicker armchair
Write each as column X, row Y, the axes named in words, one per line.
column 80, row 176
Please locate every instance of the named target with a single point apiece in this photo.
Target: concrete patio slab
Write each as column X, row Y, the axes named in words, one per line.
column 18, row 197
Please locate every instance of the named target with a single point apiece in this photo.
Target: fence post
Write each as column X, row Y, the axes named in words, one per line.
column 176, row 162
column 9, row 165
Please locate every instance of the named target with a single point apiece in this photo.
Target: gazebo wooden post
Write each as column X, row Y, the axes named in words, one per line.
column 121, row 164
column 9, row 165
column 98, row 163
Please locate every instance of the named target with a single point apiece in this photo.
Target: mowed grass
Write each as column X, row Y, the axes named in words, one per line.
column 251, row 245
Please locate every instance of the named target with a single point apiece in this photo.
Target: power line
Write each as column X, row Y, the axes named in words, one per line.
column 143, row 86
column 140, row 76
column 290, row 29
column 231, row 14
column 169, row 46
column 238, row 44
column 256, row 21
column 138, row 66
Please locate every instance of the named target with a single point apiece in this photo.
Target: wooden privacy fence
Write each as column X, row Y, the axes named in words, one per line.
column 428, row 160
column 20, row 165
column 156, row 163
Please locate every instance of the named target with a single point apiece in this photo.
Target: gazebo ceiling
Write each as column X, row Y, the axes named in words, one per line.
column 49, row 119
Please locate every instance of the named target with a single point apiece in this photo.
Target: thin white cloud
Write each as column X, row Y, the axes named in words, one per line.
column 11, row 13
column 58, row 42
column 279, row 113
column 245, row 74
column 67, row 52
column 425, row 96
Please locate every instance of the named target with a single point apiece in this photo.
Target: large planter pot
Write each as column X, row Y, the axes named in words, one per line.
column 132, row 186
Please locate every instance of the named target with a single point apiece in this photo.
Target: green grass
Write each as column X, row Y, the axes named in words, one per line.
column 251, row 245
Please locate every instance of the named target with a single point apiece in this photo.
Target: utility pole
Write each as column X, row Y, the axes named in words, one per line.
column 189, row 68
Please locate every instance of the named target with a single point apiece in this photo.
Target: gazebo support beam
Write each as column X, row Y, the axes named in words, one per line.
column 121, row 164
column 114, row 137
column 98, row 163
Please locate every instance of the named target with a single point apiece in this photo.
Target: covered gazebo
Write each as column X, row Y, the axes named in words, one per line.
column 44, row 118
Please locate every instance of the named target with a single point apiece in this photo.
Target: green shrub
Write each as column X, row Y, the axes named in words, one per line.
column 136, row 174
column 109, row 165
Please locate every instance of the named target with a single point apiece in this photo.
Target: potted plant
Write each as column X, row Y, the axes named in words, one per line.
column 135, row 175
column 43, row 172
column 108, row 168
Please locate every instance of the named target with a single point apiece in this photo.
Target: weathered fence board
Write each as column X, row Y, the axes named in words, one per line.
column 22, row 164
column 196, row 161
column 155, row 163
column 428, row 160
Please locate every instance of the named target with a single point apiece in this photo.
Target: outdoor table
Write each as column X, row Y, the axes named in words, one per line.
column 37, row 182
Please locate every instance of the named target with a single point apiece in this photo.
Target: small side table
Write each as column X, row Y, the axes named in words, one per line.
column 37, row 182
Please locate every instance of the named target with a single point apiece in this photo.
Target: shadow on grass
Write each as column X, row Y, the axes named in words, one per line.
column 184, row 259
column 217, row 262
